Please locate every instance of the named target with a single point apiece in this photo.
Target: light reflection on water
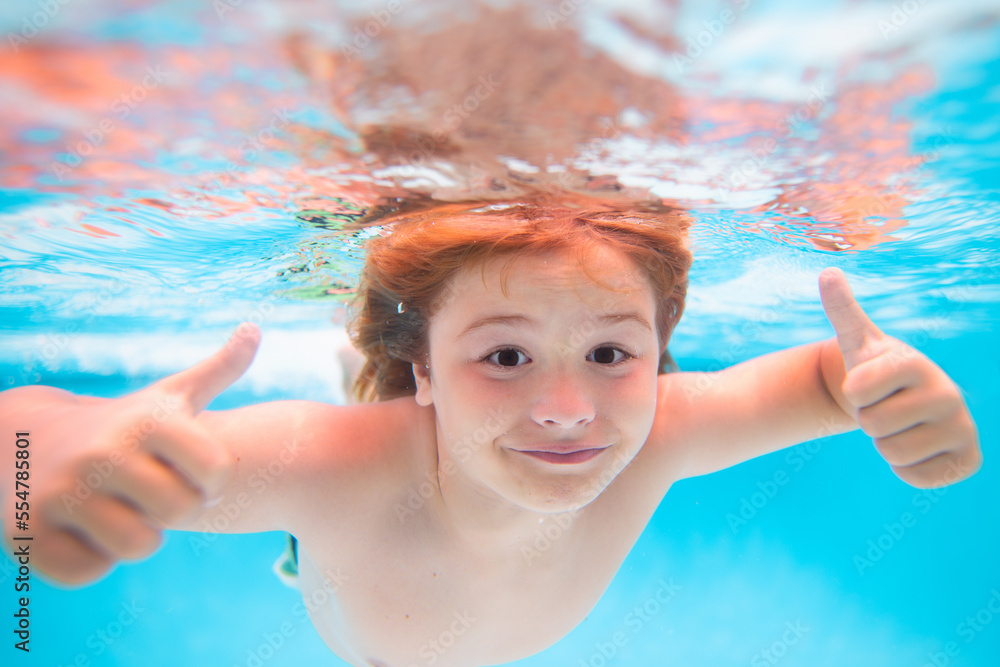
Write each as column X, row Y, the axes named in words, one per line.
column 206, row 137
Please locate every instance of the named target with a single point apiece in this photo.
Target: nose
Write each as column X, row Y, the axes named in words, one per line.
column 562, row 402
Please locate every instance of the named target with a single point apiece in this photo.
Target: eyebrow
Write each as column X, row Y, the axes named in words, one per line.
column 521, row 321
column 621, row 318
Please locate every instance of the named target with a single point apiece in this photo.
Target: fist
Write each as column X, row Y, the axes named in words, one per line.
column 112, row 474
column 904, row 401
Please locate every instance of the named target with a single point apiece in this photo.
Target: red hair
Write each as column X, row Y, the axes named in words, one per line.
column 407, row 271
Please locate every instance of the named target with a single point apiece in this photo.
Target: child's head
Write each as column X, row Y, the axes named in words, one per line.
column 408, row 274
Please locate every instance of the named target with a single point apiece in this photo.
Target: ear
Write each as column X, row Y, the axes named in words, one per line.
column 422, row 375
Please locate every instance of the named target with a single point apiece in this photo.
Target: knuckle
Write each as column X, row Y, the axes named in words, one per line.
column 857, row 388
column 921, row 476
column 77, row 571
column 853, row 390
column 861, row 381
column 949, row 404
column 963, row 464
column 872, row 422
column 69, row 561
column 139, row 541
column 938, row 472
column 893, row 452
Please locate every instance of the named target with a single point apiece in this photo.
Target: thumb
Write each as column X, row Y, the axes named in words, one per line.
column 856, row 333
column 210, row 377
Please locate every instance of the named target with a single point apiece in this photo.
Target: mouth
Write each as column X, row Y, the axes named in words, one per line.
column 578, row 456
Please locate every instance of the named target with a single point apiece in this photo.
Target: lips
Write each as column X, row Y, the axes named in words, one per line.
column 563, row 453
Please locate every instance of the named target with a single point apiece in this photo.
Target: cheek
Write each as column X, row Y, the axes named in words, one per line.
column 634, row 403
column 473, row 411
column 471, row 388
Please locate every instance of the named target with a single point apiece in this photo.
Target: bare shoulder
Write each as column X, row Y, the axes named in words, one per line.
column 299, row 461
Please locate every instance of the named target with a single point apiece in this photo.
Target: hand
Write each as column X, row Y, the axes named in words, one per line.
column 903, row 400
column 108, row 475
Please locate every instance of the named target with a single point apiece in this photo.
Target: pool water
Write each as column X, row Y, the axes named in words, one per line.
column 168, row 170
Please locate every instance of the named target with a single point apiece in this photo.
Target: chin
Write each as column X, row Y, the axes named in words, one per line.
column 567, row 495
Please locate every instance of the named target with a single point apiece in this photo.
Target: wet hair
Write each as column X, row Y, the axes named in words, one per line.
column 408, row 270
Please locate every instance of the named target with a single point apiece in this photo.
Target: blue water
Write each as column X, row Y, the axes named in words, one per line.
column 819, row 569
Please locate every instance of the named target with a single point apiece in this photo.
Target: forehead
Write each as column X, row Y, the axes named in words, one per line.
column 599, row 276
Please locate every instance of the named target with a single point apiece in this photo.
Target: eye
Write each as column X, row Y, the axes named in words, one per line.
column 507, row 357
column 609, row 356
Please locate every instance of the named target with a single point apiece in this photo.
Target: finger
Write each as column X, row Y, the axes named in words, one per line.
column 942, row 470
column 856, row 333
column 878, row 378
column 186, row 448
column 901, row 411
column 69, row 558
column 154, row 488
column 920, row 443
column 209, row 378
column 113, row 528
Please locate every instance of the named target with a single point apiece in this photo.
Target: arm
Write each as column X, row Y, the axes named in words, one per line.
column 299, row 462
column 107, row 475
column 907, row 404
column 721, row 419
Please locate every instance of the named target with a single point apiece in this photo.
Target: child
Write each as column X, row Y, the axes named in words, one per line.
column 517, row 351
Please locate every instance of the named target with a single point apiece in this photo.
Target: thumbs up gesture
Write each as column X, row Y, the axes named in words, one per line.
column 904, row 401
column 108, row 475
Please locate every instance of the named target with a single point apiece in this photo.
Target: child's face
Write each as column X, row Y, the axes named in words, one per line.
column 559, row 363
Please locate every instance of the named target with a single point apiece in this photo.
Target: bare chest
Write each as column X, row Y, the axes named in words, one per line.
column 401, row 602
